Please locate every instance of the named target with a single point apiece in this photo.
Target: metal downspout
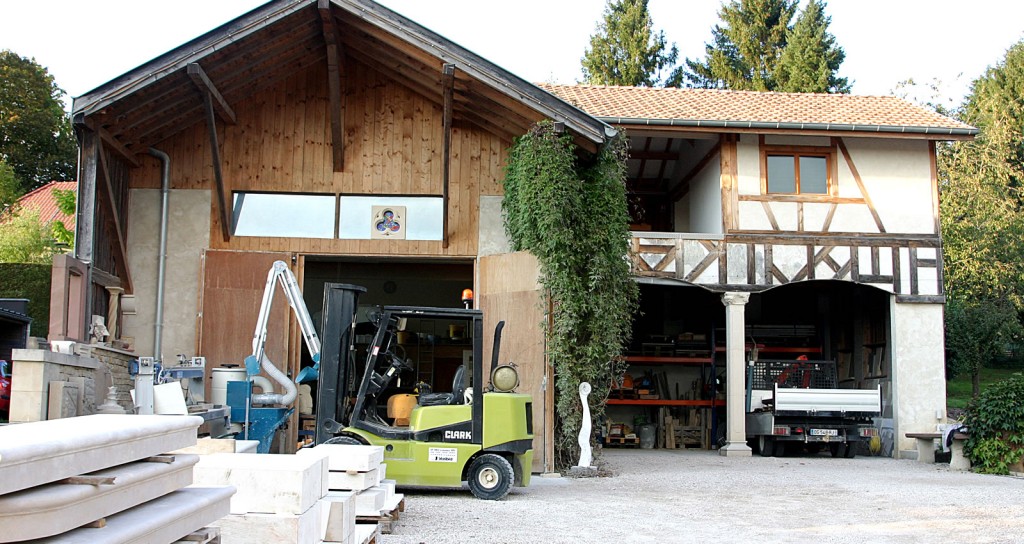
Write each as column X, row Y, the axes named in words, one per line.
column 165, row 189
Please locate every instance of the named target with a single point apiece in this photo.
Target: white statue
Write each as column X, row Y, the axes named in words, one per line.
column 586, row 455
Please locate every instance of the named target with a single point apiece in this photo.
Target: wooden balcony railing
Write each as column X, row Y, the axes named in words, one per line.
column 908, row 265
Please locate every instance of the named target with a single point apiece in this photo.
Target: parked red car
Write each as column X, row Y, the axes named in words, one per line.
column 5, row 390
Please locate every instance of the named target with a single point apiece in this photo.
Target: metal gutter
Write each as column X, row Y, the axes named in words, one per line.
column 771, row 125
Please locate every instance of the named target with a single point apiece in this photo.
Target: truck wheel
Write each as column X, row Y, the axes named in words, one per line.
column 490, row 477
column 780, row 448
column 765, row 445
column 851, row 450
column 838, row 449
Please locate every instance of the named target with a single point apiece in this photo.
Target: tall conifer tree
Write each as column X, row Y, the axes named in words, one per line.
column 626, row 50
column 811, row 58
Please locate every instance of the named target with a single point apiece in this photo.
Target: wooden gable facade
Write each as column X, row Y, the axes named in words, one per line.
column 334, row 99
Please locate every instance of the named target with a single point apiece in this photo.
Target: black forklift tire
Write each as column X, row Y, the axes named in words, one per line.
column 491, row 477
column 346, row 440
column 765, row 445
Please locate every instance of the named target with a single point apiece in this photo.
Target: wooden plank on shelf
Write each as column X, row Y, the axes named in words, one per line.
column 664, row 402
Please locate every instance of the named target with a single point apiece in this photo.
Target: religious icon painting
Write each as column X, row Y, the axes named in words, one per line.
column 388, row 223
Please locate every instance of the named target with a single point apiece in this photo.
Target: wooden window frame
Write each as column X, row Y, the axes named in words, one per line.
column 795, row 151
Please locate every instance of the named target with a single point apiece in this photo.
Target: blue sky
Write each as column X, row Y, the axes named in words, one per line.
column 86, row 43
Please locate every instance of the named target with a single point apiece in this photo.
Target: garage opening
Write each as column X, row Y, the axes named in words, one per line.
column 434, row 349
column 673, row 394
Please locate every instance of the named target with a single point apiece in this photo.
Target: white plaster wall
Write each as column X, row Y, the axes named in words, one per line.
column 492, row 238
column 681, row 214
column 748, row 165
column 918, row 367
column 706, row 201
column 188, row 234
column 897, row 176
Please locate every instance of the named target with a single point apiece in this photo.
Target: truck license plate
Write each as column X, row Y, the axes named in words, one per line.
column 824, row 432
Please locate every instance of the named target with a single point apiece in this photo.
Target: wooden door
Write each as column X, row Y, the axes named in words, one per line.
column 232, row 290
column 508, row 290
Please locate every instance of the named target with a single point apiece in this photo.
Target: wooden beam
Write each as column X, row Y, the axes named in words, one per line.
column 222, row 199
column 120, row 251
column 206, row 87
column 448, row 84
column 111, row 142
column 335, row 73
column 860, row 184
column 729, row 175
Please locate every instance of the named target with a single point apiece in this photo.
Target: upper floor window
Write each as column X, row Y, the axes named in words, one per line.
column 797, row 173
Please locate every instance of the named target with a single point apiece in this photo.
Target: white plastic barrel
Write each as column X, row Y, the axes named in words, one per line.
column 221, row 377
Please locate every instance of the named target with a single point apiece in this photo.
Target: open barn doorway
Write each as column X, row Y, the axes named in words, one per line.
column 435, row 349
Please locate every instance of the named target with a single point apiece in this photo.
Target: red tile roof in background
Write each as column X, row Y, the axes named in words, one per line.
column 611, row 103
column 42, row 199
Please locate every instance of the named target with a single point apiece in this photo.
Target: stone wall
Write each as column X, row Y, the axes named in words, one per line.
column 117, row 362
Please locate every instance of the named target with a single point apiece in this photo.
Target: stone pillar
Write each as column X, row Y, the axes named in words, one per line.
column 735, row 377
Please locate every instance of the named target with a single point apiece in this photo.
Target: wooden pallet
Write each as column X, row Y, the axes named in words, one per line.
column 621, row 442
column 386, row 520
column 206, row 535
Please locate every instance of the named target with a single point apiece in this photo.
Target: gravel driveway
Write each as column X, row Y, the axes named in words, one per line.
column 699, row 496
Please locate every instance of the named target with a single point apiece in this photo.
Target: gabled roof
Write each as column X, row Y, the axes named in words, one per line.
column 42, row 200
column 260, row 48
column 757, row 110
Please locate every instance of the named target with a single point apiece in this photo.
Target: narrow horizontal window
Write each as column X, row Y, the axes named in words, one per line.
column 283, row 215
column 416, row 217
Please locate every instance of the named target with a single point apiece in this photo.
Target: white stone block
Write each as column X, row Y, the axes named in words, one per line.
column 339, row 516
column 267, row 484
column 383, row 470
column 352, row 481
column 166, row 519
column 344, row 458
column 366, row 532
column 370, row 502
column 41, row 452
column 271, row 528
column 56, row 508
column 389, row 487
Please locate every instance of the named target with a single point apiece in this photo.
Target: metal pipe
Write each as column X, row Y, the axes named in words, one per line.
column 165, row 189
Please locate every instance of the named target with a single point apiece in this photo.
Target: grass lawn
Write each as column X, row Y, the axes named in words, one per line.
column 958, row 391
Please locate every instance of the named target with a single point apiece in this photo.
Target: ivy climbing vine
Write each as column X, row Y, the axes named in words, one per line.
column 569, row 209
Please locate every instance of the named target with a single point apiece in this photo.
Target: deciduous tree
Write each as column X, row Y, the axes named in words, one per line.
column 982, row 196
column 626, row 50
column 35, row 133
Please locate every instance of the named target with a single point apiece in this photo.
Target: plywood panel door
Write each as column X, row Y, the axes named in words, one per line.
column 232, row 290
column 508, row 290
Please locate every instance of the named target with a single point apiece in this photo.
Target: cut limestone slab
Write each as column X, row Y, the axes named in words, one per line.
column 339, row 516
column 366, row 532
column 267, row 484
column 344, row 457
column 206, row 446
column 41, row 452
column 166, row 519
column 370, row 502
column 271, row 528
column 52, row 509
column 352, row 481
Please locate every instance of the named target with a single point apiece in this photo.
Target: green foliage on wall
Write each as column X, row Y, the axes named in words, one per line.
column 31, row 281
column 995, row 420
column 569, row 209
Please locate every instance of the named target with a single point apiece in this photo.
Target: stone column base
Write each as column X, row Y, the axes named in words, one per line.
column 735, row 449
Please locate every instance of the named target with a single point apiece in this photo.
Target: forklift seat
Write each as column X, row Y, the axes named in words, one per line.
column 444, row 399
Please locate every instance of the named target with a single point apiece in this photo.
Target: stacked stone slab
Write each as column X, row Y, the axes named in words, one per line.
column 103, row 478
column 360, row 471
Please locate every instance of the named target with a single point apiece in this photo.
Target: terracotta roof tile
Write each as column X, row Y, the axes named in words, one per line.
column 617, row 105
column 41, row 199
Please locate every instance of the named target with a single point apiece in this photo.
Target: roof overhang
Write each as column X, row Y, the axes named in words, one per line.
column 258, row 49
column 823, row 129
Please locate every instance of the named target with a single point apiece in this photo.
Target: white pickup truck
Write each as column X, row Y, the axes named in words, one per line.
column 798, row 403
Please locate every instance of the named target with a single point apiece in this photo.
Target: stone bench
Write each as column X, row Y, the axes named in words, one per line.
column 926, row 449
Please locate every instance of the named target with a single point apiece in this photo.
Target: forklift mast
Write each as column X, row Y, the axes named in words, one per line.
column 337, row 358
